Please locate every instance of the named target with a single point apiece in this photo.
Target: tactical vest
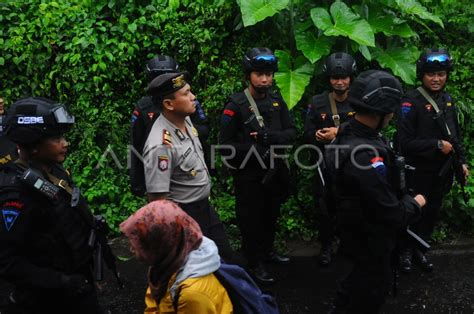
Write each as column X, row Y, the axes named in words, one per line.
column 64, row 246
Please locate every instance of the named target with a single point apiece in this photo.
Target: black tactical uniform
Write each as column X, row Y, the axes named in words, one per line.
column 144, row 115
column 322, row 114
column 259, row 192
column 419, row 133
column 369, row 212
column 319, row 116
column 46, row 225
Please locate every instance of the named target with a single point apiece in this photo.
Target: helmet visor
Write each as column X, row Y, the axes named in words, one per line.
column 62, row 116
column 264, row 61
column 438, row 59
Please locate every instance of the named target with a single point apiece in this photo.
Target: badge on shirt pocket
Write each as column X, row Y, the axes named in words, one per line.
column 163, row 163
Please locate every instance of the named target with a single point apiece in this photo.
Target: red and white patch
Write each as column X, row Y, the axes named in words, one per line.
column 136, row 113
column 229, row 112
column 151, row 115
column 323, row 116
column 377, row 162
column 428, row 107
column 163, row 163
column 14, row 204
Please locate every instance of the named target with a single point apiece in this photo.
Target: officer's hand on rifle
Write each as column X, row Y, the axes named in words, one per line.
column 420, row 199
column 77, row 284
column 445, row 146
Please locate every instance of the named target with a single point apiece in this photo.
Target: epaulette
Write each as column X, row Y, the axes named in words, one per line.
column 167, row 138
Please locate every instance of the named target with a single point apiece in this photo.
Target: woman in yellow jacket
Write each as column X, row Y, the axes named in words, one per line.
column 181, row 261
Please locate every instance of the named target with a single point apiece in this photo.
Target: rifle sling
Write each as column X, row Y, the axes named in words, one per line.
column 435, row 106
column 254, row 108
column 335, row 116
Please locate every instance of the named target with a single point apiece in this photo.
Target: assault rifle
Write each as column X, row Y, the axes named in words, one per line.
column 102, row 251
column 454, row 160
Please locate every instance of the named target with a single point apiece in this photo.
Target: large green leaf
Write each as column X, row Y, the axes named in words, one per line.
column 254, row 11
column 312, row 46
column 388, row 23
column 413, row 7
column 400, row 60
column 292, row 81
column 346, row 23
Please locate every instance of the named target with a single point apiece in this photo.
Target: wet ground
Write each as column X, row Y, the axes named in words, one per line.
column 304, row 287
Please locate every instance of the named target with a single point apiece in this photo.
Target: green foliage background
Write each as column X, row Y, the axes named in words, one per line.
column 91, row 55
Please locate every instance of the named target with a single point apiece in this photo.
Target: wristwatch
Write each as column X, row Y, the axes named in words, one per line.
column 440, row 145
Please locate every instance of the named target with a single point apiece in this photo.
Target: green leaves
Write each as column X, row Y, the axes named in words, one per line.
column 312, row 46
column 254, row 11
column 400, row 60
column 413, row 7
column 292, row 79
column 343, row 22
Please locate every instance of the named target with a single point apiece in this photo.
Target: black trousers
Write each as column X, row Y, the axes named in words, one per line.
column 211, row 226
column 434, row 188
column 257, row 210
column 325, row 206
column 364, row 289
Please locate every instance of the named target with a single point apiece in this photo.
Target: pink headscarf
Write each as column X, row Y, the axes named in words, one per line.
column 162, row 235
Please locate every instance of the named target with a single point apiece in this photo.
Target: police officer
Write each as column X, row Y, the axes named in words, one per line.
column 370, row 214
column 253, row 122
column 425, row 142
column 324, row 116
column 8, row 149
column 174, row 161
column 44, row 231
column 145, row 114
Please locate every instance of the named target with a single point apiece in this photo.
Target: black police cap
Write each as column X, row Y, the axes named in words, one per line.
column 167, row 84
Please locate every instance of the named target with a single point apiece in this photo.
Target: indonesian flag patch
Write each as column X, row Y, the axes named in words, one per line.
column 378, row 165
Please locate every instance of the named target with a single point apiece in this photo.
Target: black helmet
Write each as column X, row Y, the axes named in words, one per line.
column 433, row 60
column 161, row 64
column 375, row 91
column 31, row 119
column 259, row 59
column 340, row 64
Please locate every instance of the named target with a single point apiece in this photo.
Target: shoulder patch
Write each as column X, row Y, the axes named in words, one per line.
column 9, row 217
column 449, row 104
column 276, row 104
column 227, row 116
column 378, row 165
column 323, row 116
column 406, row 108
column 163, row 162
column 151, row 115
column 429, row 107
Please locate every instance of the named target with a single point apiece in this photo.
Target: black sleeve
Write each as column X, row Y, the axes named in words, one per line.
column 14, row 266
column 384, row 207
column 201, row 122
column 458, row 140
column 311, row 126
column 410, row 144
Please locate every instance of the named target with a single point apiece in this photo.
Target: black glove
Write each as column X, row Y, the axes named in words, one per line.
column 77, row 284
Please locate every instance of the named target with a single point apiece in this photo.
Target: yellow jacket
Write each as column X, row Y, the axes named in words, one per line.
column 202, row 295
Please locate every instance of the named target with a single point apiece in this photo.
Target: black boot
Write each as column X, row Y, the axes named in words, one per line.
column 423, row 261
column 261, row 275
column 325, row 255
column 276, row 258
column 405, row 260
